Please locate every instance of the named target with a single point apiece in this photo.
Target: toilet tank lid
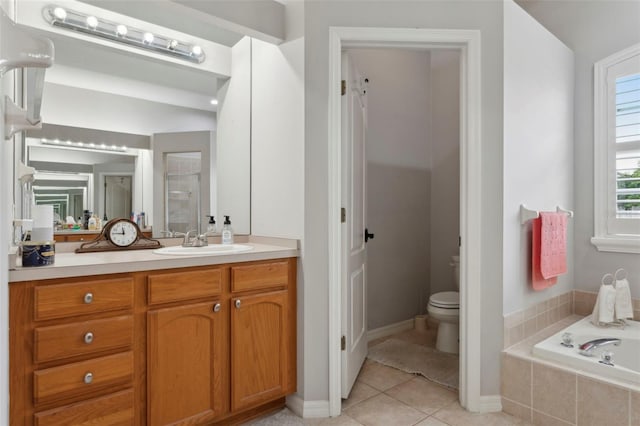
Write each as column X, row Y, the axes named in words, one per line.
column 445, row 298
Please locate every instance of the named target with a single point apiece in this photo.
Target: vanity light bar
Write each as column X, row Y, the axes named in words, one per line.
column 103, row 28
column 85, row 145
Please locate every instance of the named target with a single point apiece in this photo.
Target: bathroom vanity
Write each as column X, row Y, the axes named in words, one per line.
column 210, row 341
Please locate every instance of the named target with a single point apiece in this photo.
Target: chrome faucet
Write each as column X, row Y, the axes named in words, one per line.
column 587, row 348
column 188, row 241
column 202, row 239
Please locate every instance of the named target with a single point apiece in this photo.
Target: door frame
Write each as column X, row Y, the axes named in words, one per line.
column 468, row 43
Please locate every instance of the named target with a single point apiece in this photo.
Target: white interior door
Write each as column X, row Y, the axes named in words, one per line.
column 354, row 280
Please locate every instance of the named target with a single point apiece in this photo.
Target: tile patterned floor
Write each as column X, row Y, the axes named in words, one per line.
column 384, row 396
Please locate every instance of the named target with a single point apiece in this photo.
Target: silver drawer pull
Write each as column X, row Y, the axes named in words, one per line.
column 217, row 307
column 88, row 298
column 88, row 338
column 238, row 304
column 88, row 378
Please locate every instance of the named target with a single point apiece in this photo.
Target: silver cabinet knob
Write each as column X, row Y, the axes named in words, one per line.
column 88, row 298
column 88, row 338
column 238, row 304
column 217, row 307
column 88, row 378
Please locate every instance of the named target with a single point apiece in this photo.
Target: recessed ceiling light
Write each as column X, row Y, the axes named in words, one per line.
column 214, row 102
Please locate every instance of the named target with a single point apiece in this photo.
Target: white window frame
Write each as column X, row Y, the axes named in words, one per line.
column 611, row 234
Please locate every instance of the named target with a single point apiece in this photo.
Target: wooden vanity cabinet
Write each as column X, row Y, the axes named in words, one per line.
column 187, row 347
column 262, row 329
column 72, row 351
column 192, row 346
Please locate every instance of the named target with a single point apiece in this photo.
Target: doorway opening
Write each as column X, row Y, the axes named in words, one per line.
column 405, row 192
column 467, row 43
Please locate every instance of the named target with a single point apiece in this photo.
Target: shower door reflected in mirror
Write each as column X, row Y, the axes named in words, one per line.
column 182, row 191
column 118, row 196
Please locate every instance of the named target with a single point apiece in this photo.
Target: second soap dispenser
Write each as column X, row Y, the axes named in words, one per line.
column 211, row 226
column 227, row 231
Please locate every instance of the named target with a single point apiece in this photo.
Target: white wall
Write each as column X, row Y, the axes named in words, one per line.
column 593, row 30
column 233, row 146
column 319, row 16
column 445, row 166
column 538, row 147
column 277, row 135
column 398, row 182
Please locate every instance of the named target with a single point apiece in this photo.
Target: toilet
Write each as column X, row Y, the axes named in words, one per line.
column 445, row 307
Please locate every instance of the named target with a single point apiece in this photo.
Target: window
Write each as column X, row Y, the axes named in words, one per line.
column 617, row 152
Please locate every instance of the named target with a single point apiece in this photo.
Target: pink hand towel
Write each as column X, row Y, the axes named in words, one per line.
column 539, row 282
column 553, row 251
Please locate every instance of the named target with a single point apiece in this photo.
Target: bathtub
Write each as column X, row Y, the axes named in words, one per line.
column 626, row 357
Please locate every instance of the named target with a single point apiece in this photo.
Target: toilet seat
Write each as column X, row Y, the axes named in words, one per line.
column 445, row 300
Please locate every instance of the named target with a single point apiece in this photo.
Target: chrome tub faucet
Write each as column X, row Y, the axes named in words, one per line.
column 589, row 347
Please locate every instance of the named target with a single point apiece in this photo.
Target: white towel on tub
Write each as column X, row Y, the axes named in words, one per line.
column 624, row 309
column 604, row 309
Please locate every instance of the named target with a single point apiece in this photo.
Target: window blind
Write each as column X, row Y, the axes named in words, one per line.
column 628, row 146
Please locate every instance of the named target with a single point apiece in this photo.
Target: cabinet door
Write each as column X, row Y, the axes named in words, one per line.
column 259, row 335
column 187, row 355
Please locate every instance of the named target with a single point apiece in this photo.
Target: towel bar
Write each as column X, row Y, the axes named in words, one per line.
column 528, row 214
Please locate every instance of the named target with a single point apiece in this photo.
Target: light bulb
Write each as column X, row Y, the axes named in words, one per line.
column 92, row 145
column 196, row 50
column 148, row 38
column 172, row 44
column 121, row 30
column 60, row 13
column 92, row 22
column 214, row 102
column 103, row 146
column 80, row 144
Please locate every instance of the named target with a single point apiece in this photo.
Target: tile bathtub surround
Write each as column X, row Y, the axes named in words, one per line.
column 561, row 397
column 584, row 301
column 523, row 324
column 527, row 322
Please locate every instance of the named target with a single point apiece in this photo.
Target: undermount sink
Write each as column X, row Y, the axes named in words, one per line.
column 205, row 250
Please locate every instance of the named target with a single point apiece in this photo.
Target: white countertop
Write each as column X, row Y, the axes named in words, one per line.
column 70, row 264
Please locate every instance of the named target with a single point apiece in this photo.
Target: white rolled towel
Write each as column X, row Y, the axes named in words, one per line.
column 624, row 308
column 604, row 309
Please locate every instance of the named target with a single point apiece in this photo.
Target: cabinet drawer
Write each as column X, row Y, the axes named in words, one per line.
column 82, row 377
column 86, row 297
column 178, row 286
column 111, row 410
column 259, row 276
column 63, row 341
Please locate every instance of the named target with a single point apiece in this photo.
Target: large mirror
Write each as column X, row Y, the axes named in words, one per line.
column 125, row 133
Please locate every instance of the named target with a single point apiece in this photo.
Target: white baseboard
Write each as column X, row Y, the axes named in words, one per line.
column 390, row 329
column 490, row 403
column 307, row 409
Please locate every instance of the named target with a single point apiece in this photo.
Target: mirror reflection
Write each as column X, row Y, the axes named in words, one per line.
column 127, row 135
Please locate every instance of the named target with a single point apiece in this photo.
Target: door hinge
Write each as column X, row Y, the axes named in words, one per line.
column 343, row 215
column 343, row 343
column 343, row 87
column 459, row 241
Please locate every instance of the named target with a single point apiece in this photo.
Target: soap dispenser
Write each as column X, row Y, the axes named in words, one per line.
column 211, row 226
column 227, row 231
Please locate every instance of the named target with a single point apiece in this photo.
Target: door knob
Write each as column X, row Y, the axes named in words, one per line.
column 367, row 235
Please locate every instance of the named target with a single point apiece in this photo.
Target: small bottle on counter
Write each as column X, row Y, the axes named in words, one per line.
column 211, row 226
column 227, row 231
column 92, row 226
